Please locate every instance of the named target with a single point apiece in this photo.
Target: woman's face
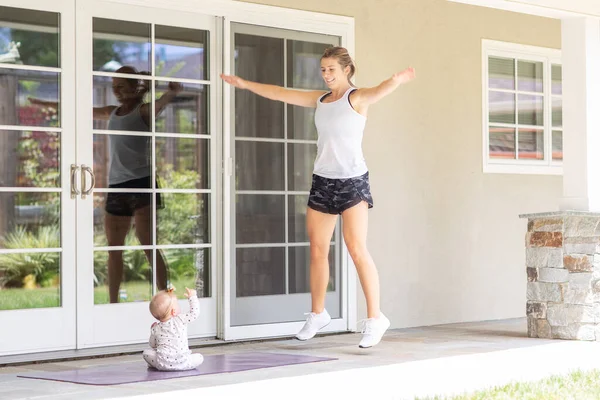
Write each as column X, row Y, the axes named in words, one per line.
column 123, row 89
column 333, row 74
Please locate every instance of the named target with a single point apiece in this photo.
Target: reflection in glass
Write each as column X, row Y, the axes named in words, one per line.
column 29, row 98
column 259, row 165
column 260, row 218
column 122, row 276
column 29, row 280
column 298, row 275
column 184, row 218
column 502, row 143
column 260, row 271
column 557, row 145
column 189, row 268
column 258, row 59
column 304, row 64
column 502, row 107
column 557, row 112
column 301, row 157
column 29, row 159
column 531, row 76
column 29, row 220
column 531, row 144
column 187, row 113
column 117, row 43
column 181, row 52
column 501, row 72
column 183, row 163
column 29, row 37
column 556, row 79
column 531, row 110
column 111, row 93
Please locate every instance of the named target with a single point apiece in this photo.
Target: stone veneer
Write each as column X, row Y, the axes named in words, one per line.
column 563, row 275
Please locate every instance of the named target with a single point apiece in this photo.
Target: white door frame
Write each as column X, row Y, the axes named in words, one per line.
column 96, row 323
column 47, row 329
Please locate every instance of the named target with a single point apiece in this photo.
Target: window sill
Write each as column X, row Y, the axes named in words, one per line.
column 523, row 169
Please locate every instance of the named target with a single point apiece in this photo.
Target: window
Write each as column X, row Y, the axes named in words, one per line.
column 522, row 120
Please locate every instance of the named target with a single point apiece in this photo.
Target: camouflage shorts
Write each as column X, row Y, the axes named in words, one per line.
column 334, row 196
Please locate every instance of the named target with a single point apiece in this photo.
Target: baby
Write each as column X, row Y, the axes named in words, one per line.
column 168, row 338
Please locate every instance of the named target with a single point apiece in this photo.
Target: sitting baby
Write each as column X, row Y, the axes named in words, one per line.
column 168, row 337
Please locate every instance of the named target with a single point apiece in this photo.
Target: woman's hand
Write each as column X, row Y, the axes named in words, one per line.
column 235, row 81
column 404, row 76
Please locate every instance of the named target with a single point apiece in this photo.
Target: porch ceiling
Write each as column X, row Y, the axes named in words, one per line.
column 544, row 8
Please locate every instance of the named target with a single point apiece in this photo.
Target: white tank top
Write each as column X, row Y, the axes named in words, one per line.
column 339, row 146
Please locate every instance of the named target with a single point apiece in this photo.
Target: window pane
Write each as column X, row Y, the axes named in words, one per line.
column 260, row 271
column 531, row 76
column 531, row 144
column 301, row 123
column 259, row 165
column 260, row 218
column 30, row 98
column 299, row 277
column 502, row 143
column 123, row 161
column 557, row 112
column 182, row 163
column 258, row 59
column 557, row 145
column 29, row 220
column 118, row 43
column 187, row 112
column 304, row 64
column 29, row 37
column 104, row 95
column 301, row 158
column 531, row 110
column 181, row 52
column 502, row 107
column 182, row 218
column 122, row 276
column 188, row 268
column 29, row 159
column 556, row 79
column 29, row 280
column 501, row 73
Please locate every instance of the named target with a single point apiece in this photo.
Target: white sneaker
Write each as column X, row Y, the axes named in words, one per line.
column 373, row 330
column 314, row 323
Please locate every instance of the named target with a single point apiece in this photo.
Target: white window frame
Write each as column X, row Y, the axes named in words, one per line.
column 549, row 57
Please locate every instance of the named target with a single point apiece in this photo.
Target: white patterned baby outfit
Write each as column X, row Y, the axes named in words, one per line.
column 169, row 343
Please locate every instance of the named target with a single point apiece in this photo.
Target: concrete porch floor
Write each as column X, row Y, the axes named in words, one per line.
column 445, row 359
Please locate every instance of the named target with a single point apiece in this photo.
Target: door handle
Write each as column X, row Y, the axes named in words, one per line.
column 74, row 190
column 86, row 192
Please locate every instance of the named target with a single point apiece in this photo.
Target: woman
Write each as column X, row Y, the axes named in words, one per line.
column 340, row 183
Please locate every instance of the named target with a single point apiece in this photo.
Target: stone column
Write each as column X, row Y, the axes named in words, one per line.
column 563, row 275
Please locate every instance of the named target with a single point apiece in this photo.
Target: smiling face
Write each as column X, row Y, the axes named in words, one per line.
column 333, row 74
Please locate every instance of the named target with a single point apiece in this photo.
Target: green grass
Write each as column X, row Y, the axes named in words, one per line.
column 16, row 299
column 578, row 385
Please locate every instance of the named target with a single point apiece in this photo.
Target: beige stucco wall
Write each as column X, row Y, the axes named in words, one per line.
column 446, row 237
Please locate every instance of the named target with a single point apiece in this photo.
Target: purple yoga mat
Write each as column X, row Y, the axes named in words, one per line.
column 117, row 374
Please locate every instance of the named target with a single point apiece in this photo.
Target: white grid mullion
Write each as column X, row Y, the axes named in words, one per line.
column 12, row 189
column 22, row 67
column 23, row 128
column 153, row 152
column 157, row 247
column 182, row 80
column 150, row 190
column 275, row 140
column 285, row 172
column 33, row 250
column 517, row 108
column 184, row 135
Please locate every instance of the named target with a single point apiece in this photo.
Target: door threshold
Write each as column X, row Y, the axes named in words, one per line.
column 124, row 350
